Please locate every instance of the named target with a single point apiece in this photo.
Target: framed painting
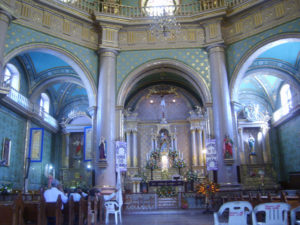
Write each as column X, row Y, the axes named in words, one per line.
column 6, row 148
column 36, row 144
column 87, row 149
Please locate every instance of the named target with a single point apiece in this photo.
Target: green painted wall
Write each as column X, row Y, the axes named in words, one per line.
column 13, row 127
column 18, row 36
column 237, row 50
column 289, row 147
column 195, row 58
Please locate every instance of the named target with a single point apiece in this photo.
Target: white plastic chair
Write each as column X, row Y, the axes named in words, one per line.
column 276, row 213
column 237, row 213
column 112, row 207
column 294, row 221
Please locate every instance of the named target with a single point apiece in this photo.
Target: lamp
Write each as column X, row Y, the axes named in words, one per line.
column 164, row 25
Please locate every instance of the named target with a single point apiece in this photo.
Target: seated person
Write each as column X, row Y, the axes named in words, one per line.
column 52, row 194
column 83, row 194
column 76, row 195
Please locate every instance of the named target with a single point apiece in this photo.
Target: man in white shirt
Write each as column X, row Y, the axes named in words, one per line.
column 52, row 194
column 76, row 196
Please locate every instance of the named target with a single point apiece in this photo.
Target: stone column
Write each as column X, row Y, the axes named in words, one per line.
column 210, row 120
column 200, row 148
column 222, row 112
column 194, row 150
column 5, row 19
column 135, row 152
column 67, row 150
column 128, row 140
column 106, row 121
column 266, row 153
column 241, row 147
column 119, row 123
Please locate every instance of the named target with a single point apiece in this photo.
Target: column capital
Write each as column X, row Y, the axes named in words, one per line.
column 213, row 31
column 92, row 110
column 119, row 107
column 109, row 35
column 7, row 14
column 208, row 104
column 216, row 47
column 108, row 52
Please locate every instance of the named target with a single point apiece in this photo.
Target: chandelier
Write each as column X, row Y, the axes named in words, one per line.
column 165, row 25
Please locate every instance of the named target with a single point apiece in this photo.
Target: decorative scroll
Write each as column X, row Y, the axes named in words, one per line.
column 211, row 155
column 87, row 149
column 121, row 156
column 5, row 156
column 36, row 144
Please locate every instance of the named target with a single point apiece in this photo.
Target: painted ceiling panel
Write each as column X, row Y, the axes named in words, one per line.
column 287, row 52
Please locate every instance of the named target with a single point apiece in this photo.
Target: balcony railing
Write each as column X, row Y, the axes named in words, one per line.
column 35, row 109
column 138, row 12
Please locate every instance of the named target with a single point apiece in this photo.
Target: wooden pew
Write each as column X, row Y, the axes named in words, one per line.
column 53, row 210
column 83, row 211
column 33, row 212
column 12, row 212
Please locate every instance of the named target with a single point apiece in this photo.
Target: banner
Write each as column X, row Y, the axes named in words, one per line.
column 121, row 156
column 211, row 155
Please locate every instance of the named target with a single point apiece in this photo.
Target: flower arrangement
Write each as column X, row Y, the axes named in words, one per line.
column 207, row 188
column 6, row 188
column 191, row 176
column 173, row 154
column 151, row 164
column 166, row 191
column 179, row 163
column 155, row 154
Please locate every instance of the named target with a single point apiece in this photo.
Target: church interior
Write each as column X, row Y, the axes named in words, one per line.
column 174, row 104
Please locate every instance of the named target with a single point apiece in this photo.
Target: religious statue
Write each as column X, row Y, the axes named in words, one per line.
column 227, row 147
column 164, row 140
column 77, row 147
column 251, row 143
column 102, row 149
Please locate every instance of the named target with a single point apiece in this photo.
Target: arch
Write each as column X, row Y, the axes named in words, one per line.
column 44, row 84
column 66, row 56
column 164, row 65
column 248, row 58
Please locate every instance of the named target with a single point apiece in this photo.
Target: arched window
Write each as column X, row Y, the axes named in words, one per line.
column 286, row 98
column 45, row 102
column 153, row 7
column 12, row 76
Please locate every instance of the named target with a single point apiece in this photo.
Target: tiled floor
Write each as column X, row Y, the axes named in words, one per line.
column 171, row 217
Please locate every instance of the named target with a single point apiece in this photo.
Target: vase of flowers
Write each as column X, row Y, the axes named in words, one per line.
column 151, row 165
column 207, row 189
column 173, row 154
column 191, row 177
column 155, row 154
column 179, row 163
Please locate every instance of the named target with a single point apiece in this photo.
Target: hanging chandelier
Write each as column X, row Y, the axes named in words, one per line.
column 164, row 25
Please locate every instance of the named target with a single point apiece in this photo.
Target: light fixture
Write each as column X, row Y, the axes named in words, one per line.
column 174, row 100
column 151, row 101
column 165, row 25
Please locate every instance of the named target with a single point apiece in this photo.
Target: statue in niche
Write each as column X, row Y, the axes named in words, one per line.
column 251, row 143
column 228, row 143
column 164, row 140
column 102, row 149
column 77, row 147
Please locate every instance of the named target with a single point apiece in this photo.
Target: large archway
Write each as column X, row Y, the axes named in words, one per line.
column 247, row 60
column 66, row 56
column 157, row 66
